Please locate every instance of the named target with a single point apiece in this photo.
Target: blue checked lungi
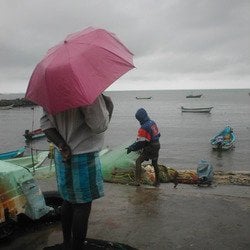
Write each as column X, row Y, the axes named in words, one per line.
column 82, row 181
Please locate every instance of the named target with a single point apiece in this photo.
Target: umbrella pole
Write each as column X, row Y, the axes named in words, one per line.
column 31, row 147
column 33, row 118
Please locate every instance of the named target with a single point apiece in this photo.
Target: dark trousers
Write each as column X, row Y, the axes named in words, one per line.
column 151, row 151
column 139, row 161
column 75, row 224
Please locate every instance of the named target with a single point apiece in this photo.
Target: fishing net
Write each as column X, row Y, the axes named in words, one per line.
column 166, row 174
column 118, row 166
column 187, row 177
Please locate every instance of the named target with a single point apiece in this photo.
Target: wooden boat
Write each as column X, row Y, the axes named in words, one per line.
column 35, row 162
column 32, row 135
column 12, row 154
column 20, row 193
column 139, row 98
column 224, row 140
column 194, row 96
column 6, row 107
column 196, row 110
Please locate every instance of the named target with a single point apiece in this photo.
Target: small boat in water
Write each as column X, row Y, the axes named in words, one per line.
column 32, row 135
column 6, row 107
column 194, row 96
column 139, row 98
column 224, row 140
column 12, row 154
column 196, row 110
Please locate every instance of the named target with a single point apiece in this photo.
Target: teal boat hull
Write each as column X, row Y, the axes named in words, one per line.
column 224, row 140
column 12, row 154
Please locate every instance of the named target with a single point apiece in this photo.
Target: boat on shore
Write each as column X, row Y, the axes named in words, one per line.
column 6, row 107
column 224, row 140
column 139, row 98
column 38, row 163
column 12, row 154
column 196, row 110
column 194, row 96
column 32, row 135
column 20, row 195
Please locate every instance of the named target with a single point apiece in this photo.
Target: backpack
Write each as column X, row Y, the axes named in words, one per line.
column 205, row 173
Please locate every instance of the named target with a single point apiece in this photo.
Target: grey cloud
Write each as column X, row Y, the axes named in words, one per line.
column 170, row 39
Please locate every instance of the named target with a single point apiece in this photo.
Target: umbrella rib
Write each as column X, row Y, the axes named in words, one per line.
column 45, row 76
column 128, row 63
column 72, row 70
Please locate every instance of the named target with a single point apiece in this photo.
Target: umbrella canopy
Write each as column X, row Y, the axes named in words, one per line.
column 76, row 71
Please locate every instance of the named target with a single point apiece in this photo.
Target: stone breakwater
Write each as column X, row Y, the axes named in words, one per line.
column 19, row 102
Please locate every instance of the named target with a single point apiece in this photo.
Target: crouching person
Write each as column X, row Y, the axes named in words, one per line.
column 149, row 144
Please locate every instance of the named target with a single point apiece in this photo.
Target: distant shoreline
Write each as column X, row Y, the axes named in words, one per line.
column 18, row 102
column 150, row 90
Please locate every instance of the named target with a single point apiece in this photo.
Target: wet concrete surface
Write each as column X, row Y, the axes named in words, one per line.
column 144, row 217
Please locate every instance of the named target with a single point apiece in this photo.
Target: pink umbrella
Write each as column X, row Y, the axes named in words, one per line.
column 76, row 71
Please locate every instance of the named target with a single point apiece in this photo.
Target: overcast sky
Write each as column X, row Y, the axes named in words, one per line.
column 177, row 44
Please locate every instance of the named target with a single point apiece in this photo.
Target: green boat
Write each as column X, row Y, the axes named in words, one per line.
column 12, row 154
column 39, row 164
column 20, row 193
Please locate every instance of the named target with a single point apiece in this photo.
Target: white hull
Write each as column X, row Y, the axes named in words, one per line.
column 196, row 110
column 6, row 107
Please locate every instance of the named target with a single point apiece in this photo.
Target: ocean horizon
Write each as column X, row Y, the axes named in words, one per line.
column 185, row 137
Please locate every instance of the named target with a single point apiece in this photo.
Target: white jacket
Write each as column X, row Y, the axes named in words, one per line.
column 82, row 128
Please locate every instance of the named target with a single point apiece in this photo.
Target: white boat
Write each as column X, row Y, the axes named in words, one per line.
column 6, row 107
column 196, row 110
column 194, row 96
column 139, row 98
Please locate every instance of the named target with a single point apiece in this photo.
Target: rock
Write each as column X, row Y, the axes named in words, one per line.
column 19, row 102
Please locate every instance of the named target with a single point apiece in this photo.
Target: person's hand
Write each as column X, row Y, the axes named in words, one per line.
column 66, row 153
column 54, row 136
column 128, row 150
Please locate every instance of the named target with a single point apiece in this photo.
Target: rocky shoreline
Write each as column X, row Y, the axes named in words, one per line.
column 18, row 102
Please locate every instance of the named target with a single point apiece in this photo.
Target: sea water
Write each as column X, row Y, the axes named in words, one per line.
column 185, row 137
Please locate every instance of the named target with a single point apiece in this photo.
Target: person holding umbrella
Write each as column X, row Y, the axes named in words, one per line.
column 78, row 135
column 147, row 141
column 69, row 83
